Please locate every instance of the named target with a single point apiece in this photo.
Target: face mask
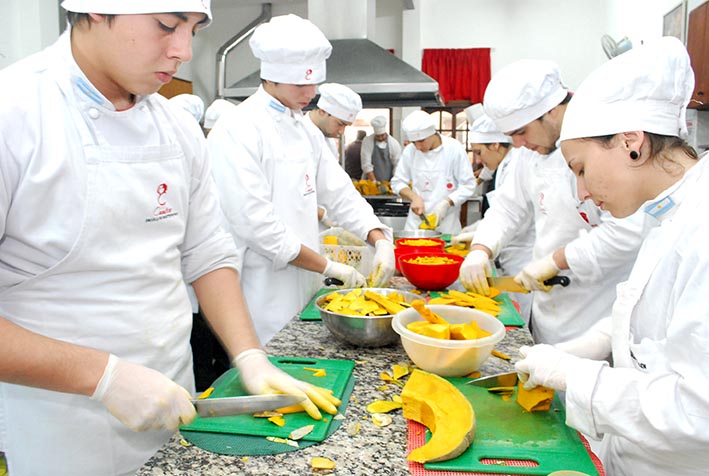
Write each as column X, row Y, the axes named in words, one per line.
column 486, row 174
column 382, row 145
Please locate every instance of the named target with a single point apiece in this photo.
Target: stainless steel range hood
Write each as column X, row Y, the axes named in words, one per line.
column 379, row 77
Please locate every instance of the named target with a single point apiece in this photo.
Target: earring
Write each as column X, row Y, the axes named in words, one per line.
column 634, row 155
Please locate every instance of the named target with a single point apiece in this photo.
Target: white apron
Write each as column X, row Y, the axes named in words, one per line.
column 276, row 296
column 119, row 289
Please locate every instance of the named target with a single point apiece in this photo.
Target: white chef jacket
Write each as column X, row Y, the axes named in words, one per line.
column 63, row 186
column 368, row 145
column 272, row 168
column 436, row 175
column 653, row 406
column 519, row 250
column 600, row 249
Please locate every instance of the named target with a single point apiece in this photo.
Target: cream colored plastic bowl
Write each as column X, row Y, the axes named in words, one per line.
column 448, row 358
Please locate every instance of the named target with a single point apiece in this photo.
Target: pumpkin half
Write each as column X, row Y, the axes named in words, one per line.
column 434, row 402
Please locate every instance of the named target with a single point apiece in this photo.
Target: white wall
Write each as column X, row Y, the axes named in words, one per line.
column 26, row 26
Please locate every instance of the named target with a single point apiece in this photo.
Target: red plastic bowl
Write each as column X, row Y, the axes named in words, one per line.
column 402, row 249
column 430, row 277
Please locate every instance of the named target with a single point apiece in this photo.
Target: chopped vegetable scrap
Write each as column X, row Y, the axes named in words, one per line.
column 397, row 372
column 536, row 400
column 299, row 433
column 316, row 372
column 353, row 428
column 285, row 441
column 363, row 303
column 185, row 443
column 277, row 420
column 205, row 394
column 469, row 299
column 426, row 313
column 501, row 355
column 383, row 406
column 381, row 419
column 319, row 463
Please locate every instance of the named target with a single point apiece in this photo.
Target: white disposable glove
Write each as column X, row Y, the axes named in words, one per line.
column 260, row 376
column 383, row 265
column 143, row 398
column 350, row 277
column 325, row 220
column 546, row 366
column 474, row 272
column 467, row 234
column 594, row 344
column 535, row 273
column 441, row 210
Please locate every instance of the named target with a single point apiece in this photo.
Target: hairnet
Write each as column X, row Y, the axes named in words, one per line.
column 418, row 126
column 340, row 101
column 522, row 92
column 292, row 50
column 127, row 7
column 645, row 89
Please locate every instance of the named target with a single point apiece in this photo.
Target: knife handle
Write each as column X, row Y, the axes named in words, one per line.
column 563, row 280
column 336, row 282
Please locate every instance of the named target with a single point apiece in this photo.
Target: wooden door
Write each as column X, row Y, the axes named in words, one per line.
column 697, row 38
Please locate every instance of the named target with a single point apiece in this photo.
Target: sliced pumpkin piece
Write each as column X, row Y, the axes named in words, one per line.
column 536, row 400
column 427, row 314
column 319, row 463
column 436, row 403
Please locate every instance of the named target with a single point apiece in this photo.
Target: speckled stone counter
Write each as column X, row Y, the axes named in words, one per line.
column 373, row 451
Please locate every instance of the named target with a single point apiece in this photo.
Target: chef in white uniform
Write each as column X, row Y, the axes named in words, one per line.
column 527, row 100
column 215, row 111
column 621, row 137
column 272, row 169
column 434, row 173
column 336, row 109
column 495, row 150
column 107, row 207
column 380, row 152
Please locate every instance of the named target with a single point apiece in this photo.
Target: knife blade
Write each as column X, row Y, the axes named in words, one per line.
column 508, row 379
column 213, row 407
column 425, row 220
column 508, row 283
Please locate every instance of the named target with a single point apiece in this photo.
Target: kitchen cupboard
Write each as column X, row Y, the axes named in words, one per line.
column 697, row 38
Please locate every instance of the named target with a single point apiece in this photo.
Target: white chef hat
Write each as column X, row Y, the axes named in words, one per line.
column 132, row 7
column 418, row 126
column 340, row 101
column 646, row 89
column 190, row 103
column 522, row 92
column 292, row 50
column 215, row 110
column 379, row 124
column 484, row 131
column 474, row 112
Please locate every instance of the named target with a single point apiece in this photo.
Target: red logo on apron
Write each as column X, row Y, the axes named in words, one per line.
column 162, row 209
column 308, row 74
column 449, row 186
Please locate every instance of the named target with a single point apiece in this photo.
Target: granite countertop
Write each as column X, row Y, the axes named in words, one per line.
column 373, row 451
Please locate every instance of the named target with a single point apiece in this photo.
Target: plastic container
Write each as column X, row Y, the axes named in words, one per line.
column 362, row 331
column 430, row 277
column 448, row 358
column 401, row 248
column 351, row 251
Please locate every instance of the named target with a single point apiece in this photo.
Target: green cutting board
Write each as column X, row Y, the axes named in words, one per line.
column 228, row 385
column 504, row 430
column 310, row 312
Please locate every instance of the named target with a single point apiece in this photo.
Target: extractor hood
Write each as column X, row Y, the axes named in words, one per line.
column 379, row 77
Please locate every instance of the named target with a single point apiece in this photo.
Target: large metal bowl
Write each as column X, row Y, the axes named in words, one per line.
column 416, row 234
column 362, row 331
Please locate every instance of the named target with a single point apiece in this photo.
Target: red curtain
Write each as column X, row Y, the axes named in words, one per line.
column 462, row 74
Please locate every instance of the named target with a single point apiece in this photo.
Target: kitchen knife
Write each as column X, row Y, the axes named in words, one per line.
column 508, row 379
column 213, row 407
column 508, row 283
column 425, row 220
